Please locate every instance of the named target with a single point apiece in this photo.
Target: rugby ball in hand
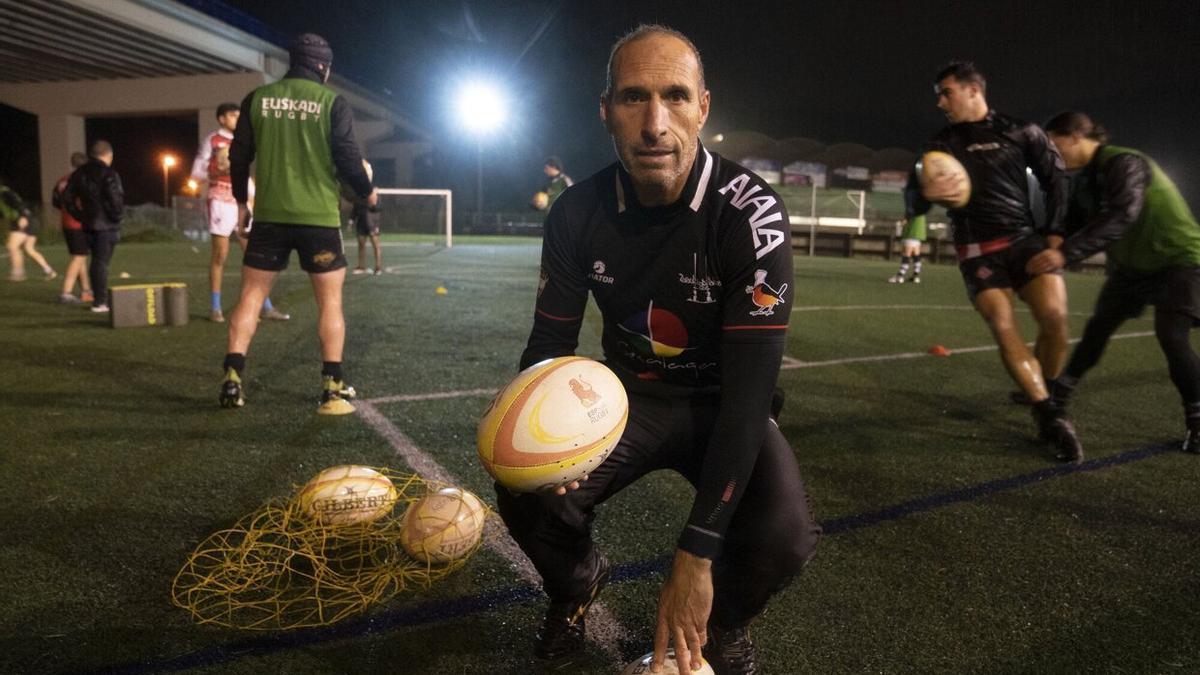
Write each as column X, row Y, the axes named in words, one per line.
column 943, row 168
column 348, row 494
column 540, row 201
column 554, row 423
column 642, row 665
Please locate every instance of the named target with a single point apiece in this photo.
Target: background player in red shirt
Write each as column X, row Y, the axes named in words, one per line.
column 76, row 240
column 212, row 166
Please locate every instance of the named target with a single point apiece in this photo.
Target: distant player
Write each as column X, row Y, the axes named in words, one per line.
column 557, row 181
column 76, row 241
column 299, row 134
column 911, row 240
column 22, row 235
column 365, row 219
column 1123, row 204
column 212, row 166
column 994, row 236
column 688, row 258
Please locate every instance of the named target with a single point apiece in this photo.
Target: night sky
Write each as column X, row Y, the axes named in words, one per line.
column 851, row 71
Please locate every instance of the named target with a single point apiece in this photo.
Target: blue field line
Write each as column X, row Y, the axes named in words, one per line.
column 631, row 571
column 848, row 523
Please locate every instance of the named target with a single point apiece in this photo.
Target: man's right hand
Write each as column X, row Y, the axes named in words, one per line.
column 945, row 189
column 573, row 485
column 243, row 222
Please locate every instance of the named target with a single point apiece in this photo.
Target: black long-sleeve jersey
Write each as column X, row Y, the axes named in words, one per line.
column 695, row 299
column 996, row 152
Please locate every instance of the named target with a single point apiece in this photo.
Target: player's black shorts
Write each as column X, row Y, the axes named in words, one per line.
column 366, row 222
column 1002, row 269
column 77, row 243
column 270, row 245
column 1126, row 293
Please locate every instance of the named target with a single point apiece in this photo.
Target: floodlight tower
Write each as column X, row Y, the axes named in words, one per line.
column 481, row 110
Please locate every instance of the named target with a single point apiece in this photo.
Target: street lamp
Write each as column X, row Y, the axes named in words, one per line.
column 168, row 161
column 192, row 185
column 481, row 109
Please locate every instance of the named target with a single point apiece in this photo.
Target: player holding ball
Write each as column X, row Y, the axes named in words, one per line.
column 688, row 257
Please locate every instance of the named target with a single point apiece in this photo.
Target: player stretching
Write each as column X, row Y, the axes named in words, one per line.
column 1123, row 204
column 302, row 135
column 688, row 257
column 994, row 236
column 212, row 166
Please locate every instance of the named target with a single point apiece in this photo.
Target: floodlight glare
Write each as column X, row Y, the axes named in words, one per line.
column 480, row 107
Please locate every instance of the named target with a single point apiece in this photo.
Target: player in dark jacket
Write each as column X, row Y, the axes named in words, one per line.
column 994, row 234
column 1123, row 204
column 688, row 257
column 96, row 198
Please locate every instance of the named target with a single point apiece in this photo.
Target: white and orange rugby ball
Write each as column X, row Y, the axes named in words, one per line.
column 554, row 423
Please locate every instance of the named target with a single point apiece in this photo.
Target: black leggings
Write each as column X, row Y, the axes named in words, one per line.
column 1173, row 330
column 772, row 534
column 102, row 244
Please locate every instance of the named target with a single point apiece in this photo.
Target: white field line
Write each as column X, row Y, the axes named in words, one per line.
column 460, row 393
column 876, row 308
column 789, row 363
column 603, row 627
column 792, row 364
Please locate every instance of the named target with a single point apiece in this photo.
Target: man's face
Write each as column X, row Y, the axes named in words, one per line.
column 550, row 171
column 1071, row 148
column 655, row 114
column 957, row 99
column 229, row 120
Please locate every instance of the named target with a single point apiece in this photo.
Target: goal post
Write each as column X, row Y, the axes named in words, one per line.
column 418, row 212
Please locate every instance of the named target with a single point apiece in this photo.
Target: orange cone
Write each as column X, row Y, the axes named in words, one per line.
column 939, row 350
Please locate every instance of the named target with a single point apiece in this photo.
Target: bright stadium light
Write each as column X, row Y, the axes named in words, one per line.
column 481, row 107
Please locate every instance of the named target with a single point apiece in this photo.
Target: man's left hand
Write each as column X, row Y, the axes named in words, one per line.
column 683, row 609
column 1049, row 260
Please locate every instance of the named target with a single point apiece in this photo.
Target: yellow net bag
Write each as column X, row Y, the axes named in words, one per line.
column 350, row 538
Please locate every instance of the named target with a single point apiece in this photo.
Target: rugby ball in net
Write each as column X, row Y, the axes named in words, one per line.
column 936, row 166
column 348, row 494
column 642, row 665
column 558, row 420
column 444, row 526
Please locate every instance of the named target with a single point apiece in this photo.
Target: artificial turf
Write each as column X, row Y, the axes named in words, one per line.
column 119, row 461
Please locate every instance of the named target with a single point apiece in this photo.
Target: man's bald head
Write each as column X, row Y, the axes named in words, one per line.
column 641, row 32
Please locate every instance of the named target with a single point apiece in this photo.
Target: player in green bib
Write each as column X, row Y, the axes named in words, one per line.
column 1123, row 204
column 300, row 136
column 911, row 239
